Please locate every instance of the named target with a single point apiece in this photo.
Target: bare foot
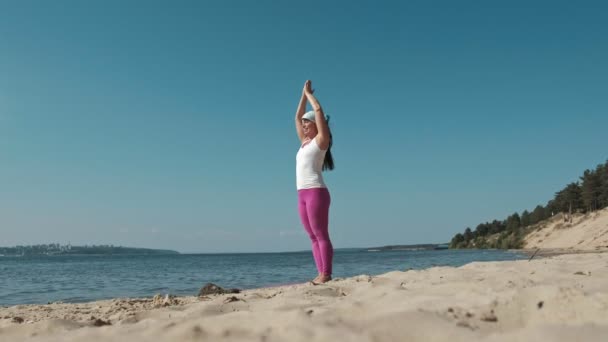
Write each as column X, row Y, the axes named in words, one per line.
column 322, row 278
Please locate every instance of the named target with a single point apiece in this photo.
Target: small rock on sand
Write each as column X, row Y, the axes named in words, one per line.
column 489, row 317
column 100, row 322
column 211, row 288
column 231, row 299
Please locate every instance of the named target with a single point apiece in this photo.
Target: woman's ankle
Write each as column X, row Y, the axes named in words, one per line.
column 324, row 277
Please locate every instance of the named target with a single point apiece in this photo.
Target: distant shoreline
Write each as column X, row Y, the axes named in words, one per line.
column 63, row 250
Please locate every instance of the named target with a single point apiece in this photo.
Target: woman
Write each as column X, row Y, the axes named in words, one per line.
column 314, row 156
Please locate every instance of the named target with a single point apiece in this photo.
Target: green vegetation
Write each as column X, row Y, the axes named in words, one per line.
column 587, row 195
column 425, row 246
column 57, row 249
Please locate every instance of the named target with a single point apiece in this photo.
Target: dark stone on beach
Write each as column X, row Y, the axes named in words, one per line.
column 18, row 320
column 465, row 324
column 231, row 299
column 100, row 322
column 489, row 317
column 540, row 304
column 211, row 288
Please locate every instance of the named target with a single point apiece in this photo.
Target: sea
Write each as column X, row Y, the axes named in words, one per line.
column 73, row 279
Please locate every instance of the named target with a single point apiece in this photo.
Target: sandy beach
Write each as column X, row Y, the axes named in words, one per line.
column 560, row 293
column 558, row 298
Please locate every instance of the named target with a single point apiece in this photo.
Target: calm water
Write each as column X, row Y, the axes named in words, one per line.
column 86, row 278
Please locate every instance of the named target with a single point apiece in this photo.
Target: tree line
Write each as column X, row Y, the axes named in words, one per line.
column 588, row 194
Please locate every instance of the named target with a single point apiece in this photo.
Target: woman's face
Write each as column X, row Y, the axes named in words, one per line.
column 310, row 128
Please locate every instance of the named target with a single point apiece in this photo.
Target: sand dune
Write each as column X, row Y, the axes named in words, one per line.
column 585, row 232
column 562, row 298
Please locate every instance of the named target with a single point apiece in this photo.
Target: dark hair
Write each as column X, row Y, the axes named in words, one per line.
column 328, row 163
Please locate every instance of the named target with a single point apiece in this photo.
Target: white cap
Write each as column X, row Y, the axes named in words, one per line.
column 310, row 116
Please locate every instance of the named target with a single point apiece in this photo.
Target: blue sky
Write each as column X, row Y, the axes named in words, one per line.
column 170, row 124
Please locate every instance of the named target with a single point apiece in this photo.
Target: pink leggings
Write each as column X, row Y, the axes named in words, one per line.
column 313, row 205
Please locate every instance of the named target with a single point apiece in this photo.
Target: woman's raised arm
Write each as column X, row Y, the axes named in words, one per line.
column 322, row 128
column 299, row 113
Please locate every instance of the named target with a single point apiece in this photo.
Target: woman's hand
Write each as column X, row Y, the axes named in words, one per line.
column 308, row 88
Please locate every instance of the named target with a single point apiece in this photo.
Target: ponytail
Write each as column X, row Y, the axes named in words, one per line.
column 328, row 163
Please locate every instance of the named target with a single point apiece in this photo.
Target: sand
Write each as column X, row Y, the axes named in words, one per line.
column 585, row 232
column 561, row 294
column 560, row 298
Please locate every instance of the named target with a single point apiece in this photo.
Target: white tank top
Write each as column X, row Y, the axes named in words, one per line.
column 309, row 166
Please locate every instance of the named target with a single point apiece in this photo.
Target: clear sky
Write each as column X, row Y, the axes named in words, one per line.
column 169, row 124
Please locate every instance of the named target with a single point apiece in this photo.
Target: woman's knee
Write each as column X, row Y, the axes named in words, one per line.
column 324, row 240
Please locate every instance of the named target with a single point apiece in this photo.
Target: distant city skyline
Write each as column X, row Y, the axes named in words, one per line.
column 170, row 125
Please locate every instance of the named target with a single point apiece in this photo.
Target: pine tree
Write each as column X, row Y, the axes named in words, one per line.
column 602, row 171
column 457, row 241
column 525, row 218
column 590, row 190
column 537, row 215
column 568, row 200
column 513, row 223
column 497, row 227
column 468, row 235
column 482, row 229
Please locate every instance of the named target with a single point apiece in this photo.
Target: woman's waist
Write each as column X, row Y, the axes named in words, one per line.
column 314, row 188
